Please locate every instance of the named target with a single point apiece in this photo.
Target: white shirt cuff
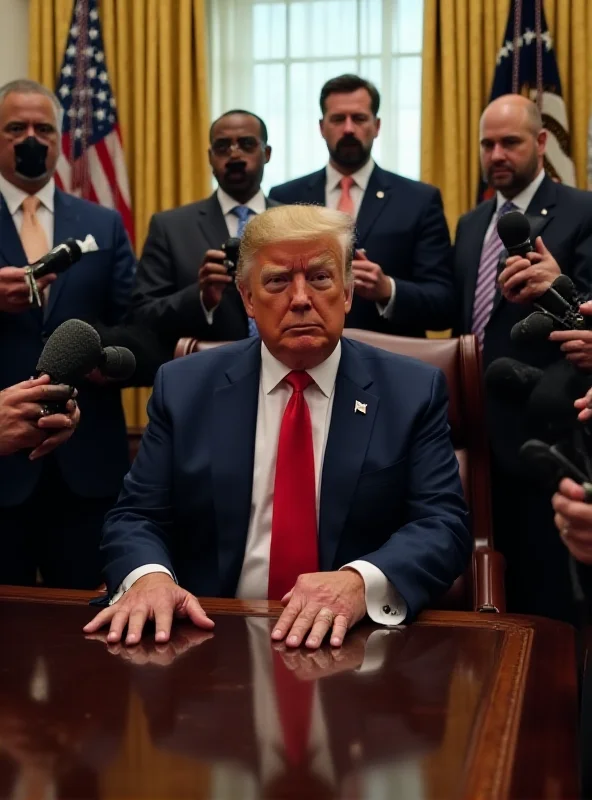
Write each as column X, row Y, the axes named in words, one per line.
column 134, row 576
column 386, row 311
column 384, row 604
column 209, row 315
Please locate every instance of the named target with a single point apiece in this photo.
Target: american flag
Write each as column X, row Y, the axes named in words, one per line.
column 526, row 64
column 91, row 164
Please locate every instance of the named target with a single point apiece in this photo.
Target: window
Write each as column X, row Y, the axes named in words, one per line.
column 273, row 56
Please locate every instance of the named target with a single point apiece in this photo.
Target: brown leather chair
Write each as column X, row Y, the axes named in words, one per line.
column 481, row 588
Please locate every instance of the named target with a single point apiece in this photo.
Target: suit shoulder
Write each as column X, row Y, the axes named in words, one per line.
column 403, row 368
column 295, row 185
column 409, row 185
column 574, row 196
column 181, row 213
column 212, row 361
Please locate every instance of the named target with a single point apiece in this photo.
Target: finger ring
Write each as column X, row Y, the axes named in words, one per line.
column 44, row 411
column 565, row 531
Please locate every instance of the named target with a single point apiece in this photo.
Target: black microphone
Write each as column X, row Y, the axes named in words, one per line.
column 513, row 229
column 511, row 379
column 57, row 260
column 74, row 349
column 533, row 328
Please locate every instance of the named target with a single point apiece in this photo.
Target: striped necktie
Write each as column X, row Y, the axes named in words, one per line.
column 243, row 213
column 487, row 277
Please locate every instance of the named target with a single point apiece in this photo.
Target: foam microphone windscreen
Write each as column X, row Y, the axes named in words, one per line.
column 71, row 352
column 118, row 363
column 514, row 230
column 564, row 286
column 536, row 327
column 511, row 379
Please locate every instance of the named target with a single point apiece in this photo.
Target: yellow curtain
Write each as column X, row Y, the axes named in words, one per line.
column 156, row 58
column 461, row 40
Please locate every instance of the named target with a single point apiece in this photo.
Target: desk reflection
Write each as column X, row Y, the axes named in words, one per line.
column 229, row 714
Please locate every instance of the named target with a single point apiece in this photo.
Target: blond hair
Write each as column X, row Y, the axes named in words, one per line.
column 296, row 223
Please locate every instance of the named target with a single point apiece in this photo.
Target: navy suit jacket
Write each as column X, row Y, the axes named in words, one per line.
column 98, row 287
column 390, row 490
column 402, row 227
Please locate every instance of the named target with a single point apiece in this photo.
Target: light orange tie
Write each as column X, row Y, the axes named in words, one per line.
column 346, row 201
column 33, row 236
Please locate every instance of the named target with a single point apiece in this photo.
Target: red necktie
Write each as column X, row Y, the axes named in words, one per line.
column 294, row 547
column 346, row 201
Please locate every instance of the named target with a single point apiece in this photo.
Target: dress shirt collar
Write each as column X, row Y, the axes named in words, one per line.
column 257, row 203
column 523, row 198
column 361, row 177
column 15, row 196
column 273, row 371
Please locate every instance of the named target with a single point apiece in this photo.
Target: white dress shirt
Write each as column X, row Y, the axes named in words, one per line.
column 383, row 603
column 14, row 198
column 521, row 201
column 357, row 192
column 257, row 205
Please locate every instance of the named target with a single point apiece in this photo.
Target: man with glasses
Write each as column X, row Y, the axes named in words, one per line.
column 183, row 286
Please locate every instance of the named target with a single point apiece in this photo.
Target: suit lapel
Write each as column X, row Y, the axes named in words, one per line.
column 316, row 188
column 212, row 223
column 232, row 445
column 347, row 443
column 64, row 227
column 376, row 198
column 11, row 248
column 471, row 256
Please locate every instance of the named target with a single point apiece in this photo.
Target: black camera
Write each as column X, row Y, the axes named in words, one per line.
column 231, row 248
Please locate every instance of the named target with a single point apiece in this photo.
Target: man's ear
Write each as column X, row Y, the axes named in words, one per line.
column 247, row 297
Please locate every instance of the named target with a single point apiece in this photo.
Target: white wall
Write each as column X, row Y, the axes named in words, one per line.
column 14, row 39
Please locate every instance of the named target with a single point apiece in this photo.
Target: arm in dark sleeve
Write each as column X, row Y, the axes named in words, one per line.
column 156, row 300
column 580, row 270
column 138, row 530
column 124, row 268
column 428, row 300
column 425, row 556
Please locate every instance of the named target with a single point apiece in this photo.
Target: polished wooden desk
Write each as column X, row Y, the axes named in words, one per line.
column 457, row 705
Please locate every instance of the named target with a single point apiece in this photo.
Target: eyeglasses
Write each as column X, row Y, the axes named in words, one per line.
column 224, row 147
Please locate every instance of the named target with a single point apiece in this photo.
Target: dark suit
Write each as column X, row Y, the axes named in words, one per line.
column 166, row 292
column 401, row 226
column 538, row 580
column 91, row 465
column 390, row 489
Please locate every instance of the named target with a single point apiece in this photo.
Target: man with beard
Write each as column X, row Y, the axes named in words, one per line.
column 52, row 509
column 512, row 155
column 183, row 287
column 402, row 262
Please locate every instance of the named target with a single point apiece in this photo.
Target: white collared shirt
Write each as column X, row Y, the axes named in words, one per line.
column 14, row 197
column 227, row 203
column 522, row 200
column 357, row 192
column 358, row 188
column 257, row 205
column 274, row 394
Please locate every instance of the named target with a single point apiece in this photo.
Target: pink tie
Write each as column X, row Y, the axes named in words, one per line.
column 346, row 201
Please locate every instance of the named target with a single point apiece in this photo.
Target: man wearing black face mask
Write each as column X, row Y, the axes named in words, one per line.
column 182, row 285
column 51, row 509
column 402, row 264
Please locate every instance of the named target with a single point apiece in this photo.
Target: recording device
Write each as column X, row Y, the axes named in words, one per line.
column 231, row 248
column 57, row 260
column 513, row 229
column 74, row 349
column 558, row 307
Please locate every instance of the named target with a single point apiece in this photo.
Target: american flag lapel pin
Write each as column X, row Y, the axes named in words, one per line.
column 360, row 407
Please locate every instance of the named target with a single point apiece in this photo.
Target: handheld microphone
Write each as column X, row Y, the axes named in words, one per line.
column 511, row 379
column 513, row 229
column 74, row 349
column 536, row 327
column 57, row 260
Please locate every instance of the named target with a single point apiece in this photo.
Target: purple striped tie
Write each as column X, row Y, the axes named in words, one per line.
column 486, row 277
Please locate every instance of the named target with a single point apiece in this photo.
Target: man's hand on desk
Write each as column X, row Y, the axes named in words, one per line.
column 159, row 655
column 155, row 597
column 321, row 602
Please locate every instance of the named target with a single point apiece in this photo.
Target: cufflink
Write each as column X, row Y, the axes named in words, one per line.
column 386, row 609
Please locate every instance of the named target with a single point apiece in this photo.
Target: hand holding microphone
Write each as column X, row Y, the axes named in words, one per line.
column 15, row 289
column 524, row 278
column 56, row 261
